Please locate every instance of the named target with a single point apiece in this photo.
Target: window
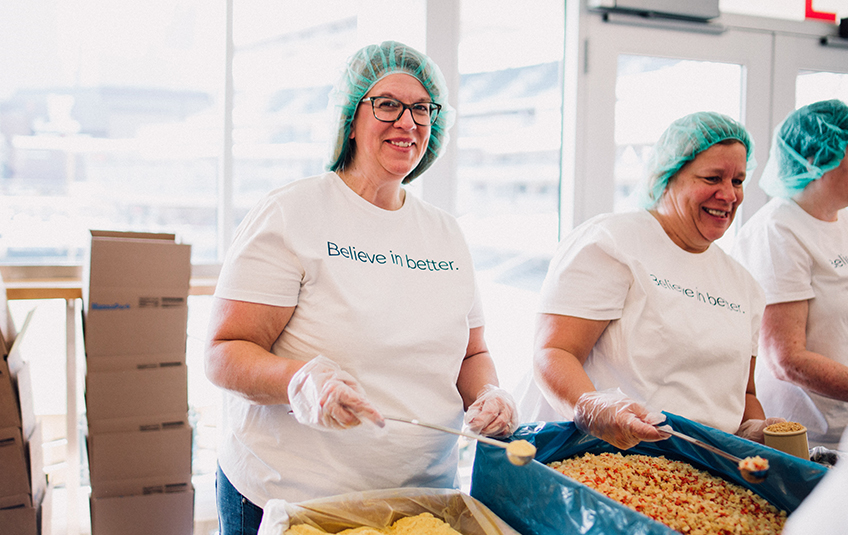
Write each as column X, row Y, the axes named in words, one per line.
column 813, row 86
column 109, row 118
column 509, row 138
column 651, row 93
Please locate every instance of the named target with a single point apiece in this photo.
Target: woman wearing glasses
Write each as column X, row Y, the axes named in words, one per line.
column 343, row 300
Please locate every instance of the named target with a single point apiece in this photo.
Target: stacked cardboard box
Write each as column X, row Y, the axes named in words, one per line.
column 139, row 438
column 25, row 496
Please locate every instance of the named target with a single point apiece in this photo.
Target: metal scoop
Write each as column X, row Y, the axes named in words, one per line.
column 519, row 452
column 751, row 476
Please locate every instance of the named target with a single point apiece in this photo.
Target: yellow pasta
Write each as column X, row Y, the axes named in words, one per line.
column 675, row 493
column 422, row 524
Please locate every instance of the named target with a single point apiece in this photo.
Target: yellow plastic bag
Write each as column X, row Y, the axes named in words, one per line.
column 381, row 508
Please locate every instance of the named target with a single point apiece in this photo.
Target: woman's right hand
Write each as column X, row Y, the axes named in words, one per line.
column 324, row 396
column 617, row 419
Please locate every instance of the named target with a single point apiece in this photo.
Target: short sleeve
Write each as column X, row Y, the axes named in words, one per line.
column 476, row 318
column 758, row 305
column 778, row 260
column 587, row 278
column 260, row 267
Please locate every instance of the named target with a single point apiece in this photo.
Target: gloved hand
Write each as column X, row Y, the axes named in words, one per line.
column 493, row 413
column 617, row 419
column 324, row 396
column 753, row 429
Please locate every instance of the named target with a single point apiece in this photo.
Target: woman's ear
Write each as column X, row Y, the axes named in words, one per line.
column 352, row 129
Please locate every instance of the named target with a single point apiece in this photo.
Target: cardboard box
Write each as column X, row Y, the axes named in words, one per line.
column 143, row 263
column 381, row 508
column 122, row 298
column 20, row 521
column 162, row 514
column 117, row 363
column 33, row 447
column 36, row 519
column 163, row 453
column 135, row 290
column 45, row 512
column 135, row 331
column 13, row 463
column 16, row 356
column 129, row 400
column 16, row 500
column 22, row 382
column 137, row 487
column 7, row 326
column 10, row 412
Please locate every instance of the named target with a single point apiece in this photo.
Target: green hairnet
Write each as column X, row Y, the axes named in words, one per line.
column 808, row 143
column 367, row 67
column 684, row 139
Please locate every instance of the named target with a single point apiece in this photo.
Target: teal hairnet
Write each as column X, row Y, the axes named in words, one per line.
column 808, row 143
column 684, row 139
column 367, row 67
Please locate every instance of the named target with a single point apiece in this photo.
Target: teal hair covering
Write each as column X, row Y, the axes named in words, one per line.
column 807, row 144
column 681, row 142
column 368, row 66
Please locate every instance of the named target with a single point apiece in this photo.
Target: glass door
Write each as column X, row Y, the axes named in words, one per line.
column 508, row 170
column 637, row 80
column 807, row 71
column 651, row 92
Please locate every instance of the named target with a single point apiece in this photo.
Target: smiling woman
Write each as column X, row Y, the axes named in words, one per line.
column 663, row 331
column 701, row 200
column 311, row 333
column 386, row 152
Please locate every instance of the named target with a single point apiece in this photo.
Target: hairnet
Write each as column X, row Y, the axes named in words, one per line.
column 681, row 142
column 367, row 67
column 808, row 143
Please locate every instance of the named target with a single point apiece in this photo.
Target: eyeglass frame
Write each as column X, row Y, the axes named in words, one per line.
column 434, row 110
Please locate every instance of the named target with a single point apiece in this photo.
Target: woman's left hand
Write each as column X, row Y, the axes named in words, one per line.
column 753, row 429
column 493, row 414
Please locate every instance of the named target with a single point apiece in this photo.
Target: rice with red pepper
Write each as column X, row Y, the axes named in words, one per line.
column 680, row 496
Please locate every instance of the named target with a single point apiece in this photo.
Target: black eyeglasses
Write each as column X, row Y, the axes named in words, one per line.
column 389, row 110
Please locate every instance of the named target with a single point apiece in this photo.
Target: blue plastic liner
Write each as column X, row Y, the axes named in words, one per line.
column 537, row 500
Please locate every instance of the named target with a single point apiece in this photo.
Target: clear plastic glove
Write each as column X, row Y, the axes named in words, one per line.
column 617, row 419
column 324, row 396
column 493, row 413
column 753, row 429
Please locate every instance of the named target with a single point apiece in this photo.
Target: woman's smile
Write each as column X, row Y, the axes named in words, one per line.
column 701, row 200
column 390, row 150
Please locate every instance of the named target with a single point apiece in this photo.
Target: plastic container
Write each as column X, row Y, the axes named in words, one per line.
column 381, row 508
column 537, row 500
column 793, row 442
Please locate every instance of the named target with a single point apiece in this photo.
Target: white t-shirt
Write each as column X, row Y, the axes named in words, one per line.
column 683, row 327
column 388, row 295
column 797, row 257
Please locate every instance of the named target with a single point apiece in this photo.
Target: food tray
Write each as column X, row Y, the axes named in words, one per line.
column 537, row 500
column 381, row 508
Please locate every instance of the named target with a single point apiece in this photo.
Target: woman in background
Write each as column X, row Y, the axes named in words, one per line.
column 796, row 246
column 640, row 312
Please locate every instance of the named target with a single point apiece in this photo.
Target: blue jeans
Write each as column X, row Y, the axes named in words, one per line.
column 236, row 514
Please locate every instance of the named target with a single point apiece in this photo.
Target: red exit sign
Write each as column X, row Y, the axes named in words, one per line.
column 811, row 13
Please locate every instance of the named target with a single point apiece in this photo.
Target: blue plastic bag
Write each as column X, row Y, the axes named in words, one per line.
column 537, row 500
